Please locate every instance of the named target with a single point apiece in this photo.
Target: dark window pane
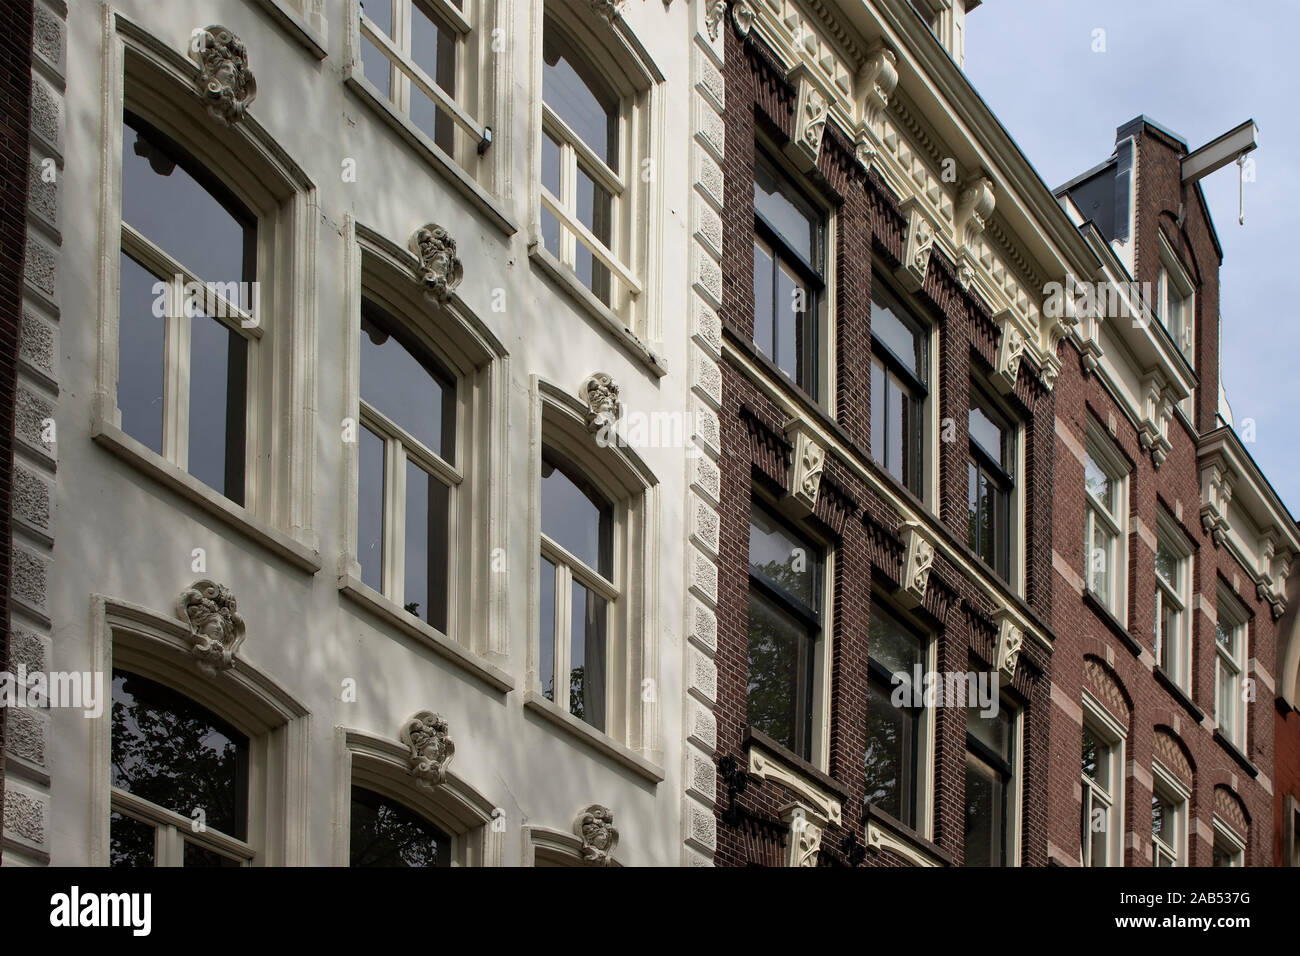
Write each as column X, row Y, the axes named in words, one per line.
column 130, row 842
column 778, row 691
column 994, row 732
column 973, row 502
column 424, row 590
column 587, row 657
column 579, row 96
column 576, row 516
column 596, row 212
column 785, row 210
column 895, row 428
column 218, row 393
column 891, row 755
column 196, row 855
column 433, row 48
column 783, row 560
column 174, row 753
column 386, row 833
column 140, row 356
column 764, row 277
column 406, row 383
column 370, row 507
column 790, row 290
column 170, row 198
column 985, row 799
column 546, row 614
column 892, row 646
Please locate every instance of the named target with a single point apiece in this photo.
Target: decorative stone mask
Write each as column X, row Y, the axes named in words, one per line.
column 216, row 629
column 225, row 82
column 601, row 397
column 431, row 747
column 440, row 269
column 595, row 826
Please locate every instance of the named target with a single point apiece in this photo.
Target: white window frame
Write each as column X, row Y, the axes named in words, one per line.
column 476, row 636
column 1105, row 730
column 1174, row 286
column 158, row 646
column 481, row 77
column 1231, row 614
column 156, row 82
column 624, row 64
column 1166, row 785
column 1178, row 596
column 1226, row 838
column 1114, row 522
column 475, row 824
column 631, row 733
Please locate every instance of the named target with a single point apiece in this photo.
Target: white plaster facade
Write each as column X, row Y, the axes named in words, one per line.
column 105, row 534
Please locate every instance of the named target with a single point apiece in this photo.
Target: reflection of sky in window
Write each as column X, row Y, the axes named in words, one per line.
column 986, row 433
column 404, row 388
column 775, row 553
column 574, row 521
column 578, row 97
column 792, row 218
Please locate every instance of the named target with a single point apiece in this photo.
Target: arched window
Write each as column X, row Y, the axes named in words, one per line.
column 385, row 832
column 179, row 780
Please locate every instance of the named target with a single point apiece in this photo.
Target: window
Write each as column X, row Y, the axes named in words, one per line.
column 1229, row 849
column 990, row 784
column 1169, row 800
column 900, row 371
column 384, row 832
column 1229, row 670
column 785, row 626
column 407, row 475
column 789, row 274
column 577, row 590
column 894, row 767
column 991, row 482
column 1105, row 481
column 175, row 764
column 1173, row 623
column 421, row 57
column 595, row 157
column 1101, row 812
column 1175, row 301
column 188, row 312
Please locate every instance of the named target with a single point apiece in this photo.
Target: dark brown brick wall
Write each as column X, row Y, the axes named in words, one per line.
column 15, row 120
column 1286, row 722
column 1173, row 488
column 861, row 525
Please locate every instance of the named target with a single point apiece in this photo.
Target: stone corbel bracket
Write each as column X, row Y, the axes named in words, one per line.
column 1216, row 492
column 1157, row 410
column 876, row 80
column 1011, row 637
column 607, row 10
column 806, row 828
column 431, row 748
column 807, row 461
column 1011, row 349
column 225, row 82
column 811, row 112
column 813, row 798
column 742, row 15
column 918, row 559
column 974, row 207
column 920, row 242
column 1277, row 565
column 878, row 838
column 440, row 269
column 216, row 629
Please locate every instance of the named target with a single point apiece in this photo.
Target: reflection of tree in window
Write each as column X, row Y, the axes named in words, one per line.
column 385, row 833
column 170, row 751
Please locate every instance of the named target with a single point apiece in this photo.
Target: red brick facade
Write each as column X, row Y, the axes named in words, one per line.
column 1286, row 739
column 860, row 526
column 1092, row 651
column 15, row 112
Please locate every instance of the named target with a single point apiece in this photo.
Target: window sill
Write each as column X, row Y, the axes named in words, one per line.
column 293, row 23
column 569, row 284
column 796, row 774
column 431, row 153
column 1235, row 752
column 1178, row 693
column 593, row 738
column 932, row 853
column 391, row 613
column 149, row 463
column 1112, row 623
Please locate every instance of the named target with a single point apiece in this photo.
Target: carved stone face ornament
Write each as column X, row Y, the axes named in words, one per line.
column 216, row 629
column 225, row 81
column 600, row 393
column 440, row 268
column 426, row 734
column 595, row 827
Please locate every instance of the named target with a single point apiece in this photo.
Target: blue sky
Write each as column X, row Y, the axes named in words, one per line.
column 1198, row 68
